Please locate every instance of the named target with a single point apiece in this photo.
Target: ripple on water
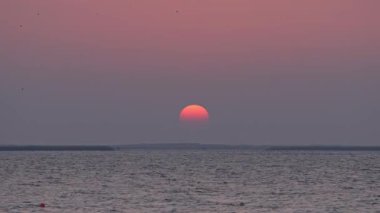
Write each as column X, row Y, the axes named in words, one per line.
column 190, row 181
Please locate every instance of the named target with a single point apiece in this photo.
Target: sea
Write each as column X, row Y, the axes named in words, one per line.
column 190, row 181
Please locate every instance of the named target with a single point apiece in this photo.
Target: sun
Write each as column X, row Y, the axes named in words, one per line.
column 194, row 113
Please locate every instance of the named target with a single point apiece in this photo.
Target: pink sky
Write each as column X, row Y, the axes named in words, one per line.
column 270, row 65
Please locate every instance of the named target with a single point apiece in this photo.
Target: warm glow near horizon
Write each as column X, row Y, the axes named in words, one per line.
column 194, row 113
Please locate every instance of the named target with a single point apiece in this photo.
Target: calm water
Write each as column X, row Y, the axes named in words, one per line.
column 190, row 181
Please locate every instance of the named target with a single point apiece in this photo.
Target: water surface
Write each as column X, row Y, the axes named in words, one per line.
column 190, row 181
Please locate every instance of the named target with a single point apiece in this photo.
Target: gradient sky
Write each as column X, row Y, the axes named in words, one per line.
column 119, row 72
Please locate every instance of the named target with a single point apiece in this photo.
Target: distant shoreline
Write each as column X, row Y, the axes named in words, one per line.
column 184, row 146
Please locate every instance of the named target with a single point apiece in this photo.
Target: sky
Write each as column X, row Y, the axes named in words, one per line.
column 289, row 72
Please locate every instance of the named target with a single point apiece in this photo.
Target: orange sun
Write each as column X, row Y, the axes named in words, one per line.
column 194, row 113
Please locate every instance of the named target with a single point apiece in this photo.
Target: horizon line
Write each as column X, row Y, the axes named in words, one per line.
column 188, row 146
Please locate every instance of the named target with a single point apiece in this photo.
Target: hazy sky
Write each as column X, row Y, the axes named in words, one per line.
column 119, row 72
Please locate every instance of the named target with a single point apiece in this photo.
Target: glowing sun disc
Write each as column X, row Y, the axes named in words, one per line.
column 194, row 113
